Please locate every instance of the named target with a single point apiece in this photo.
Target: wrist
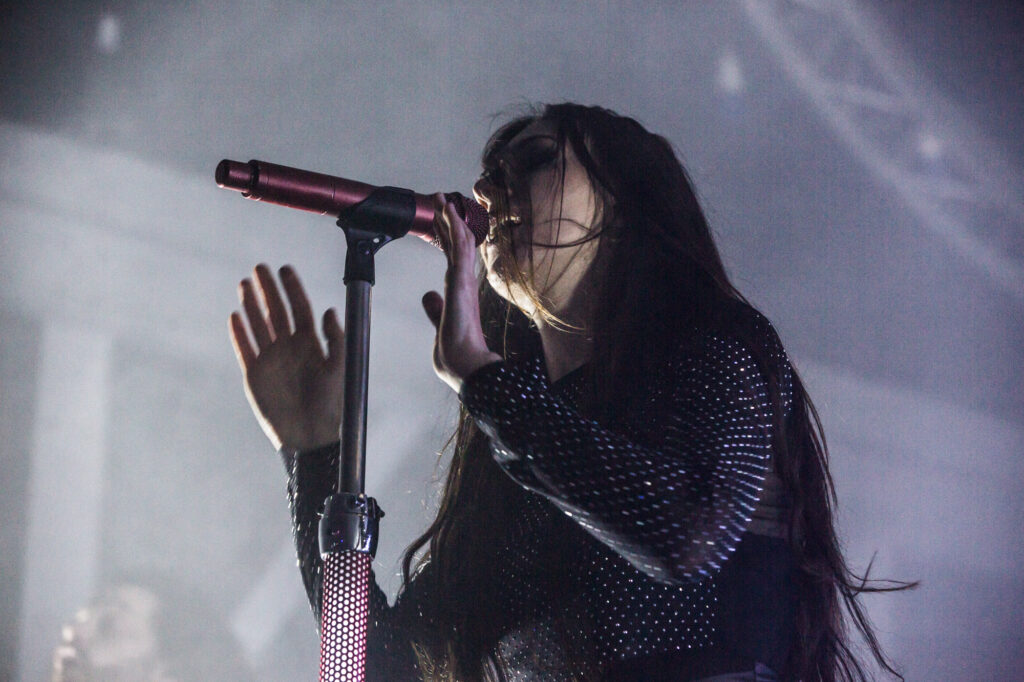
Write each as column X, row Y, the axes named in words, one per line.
column 454, row 375
column 311, row 438
column 477, row 361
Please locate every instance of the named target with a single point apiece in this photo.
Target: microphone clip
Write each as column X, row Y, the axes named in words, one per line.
column 385, row 215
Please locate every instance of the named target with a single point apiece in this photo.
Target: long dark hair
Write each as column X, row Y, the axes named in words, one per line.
column 657, row 254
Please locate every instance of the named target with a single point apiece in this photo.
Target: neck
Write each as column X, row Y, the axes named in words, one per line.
column 564, row 350
column 573, row 303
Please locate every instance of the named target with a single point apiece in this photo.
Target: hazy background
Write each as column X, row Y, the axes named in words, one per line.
column 861, row 163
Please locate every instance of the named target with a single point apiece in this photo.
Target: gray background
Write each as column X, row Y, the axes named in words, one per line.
column 860, row 162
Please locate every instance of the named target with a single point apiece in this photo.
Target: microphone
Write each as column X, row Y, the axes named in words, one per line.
column 329, row 195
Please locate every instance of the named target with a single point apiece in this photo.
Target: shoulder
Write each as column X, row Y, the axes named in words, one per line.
column 742, row 323
column 738, row 345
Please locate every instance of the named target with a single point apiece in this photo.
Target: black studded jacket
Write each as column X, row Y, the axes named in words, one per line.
column 644, row 547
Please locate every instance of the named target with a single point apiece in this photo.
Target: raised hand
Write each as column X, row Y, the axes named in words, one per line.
column 294, row 387
column 459, row 346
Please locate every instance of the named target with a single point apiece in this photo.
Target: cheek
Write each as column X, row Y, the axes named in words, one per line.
column 545, row 197
column 581, row 205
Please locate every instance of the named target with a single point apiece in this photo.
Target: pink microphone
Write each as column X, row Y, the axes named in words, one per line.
column 329, row 195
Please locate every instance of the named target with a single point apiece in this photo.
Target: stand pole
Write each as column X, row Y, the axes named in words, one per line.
column 348, row 527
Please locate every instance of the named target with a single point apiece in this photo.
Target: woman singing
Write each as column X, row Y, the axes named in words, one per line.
column 639, row 486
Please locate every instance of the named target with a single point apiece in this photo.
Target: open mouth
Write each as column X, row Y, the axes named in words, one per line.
column 494, row 223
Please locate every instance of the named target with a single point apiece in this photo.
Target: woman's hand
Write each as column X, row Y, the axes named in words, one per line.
column 459, row 347
column 294, row 388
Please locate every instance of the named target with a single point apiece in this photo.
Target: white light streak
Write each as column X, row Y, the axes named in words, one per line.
column 108, row 34
column 730, row 74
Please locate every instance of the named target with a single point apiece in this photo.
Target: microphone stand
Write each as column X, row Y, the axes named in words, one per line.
column 348, row 527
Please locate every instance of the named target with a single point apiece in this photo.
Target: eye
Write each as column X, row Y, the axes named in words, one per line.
column 536, row 154
column 493, row 176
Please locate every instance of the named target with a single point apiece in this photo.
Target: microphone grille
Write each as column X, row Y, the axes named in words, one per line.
column 473, row 213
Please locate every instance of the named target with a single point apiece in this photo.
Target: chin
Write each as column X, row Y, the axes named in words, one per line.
column 499, row 285
column 512, row 295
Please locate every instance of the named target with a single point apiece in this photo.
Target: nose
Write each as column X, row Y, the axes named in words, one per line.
column 484, row 191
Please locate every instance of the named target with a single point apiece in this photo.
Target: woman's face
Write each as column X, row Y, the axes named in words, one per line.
column 555, row 207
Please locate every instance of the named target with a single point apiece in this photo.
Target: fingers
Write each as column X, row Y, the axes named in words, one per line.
column 463, row 244
column 276, row 312
column 458, row 230
column 441, row 227
column 433, row 305
column 335, row 338
column 302, row 312
column 456, row 239
column 463, row 248
column 274, row 323
column 253, row 312
column 244, row 352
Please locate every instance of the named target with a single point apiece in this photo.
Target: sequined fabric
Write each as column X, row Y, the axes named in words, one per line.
column 628, row 555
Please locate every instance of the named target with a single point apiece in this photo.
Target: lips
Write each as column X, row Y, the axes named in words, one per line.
column 494, row 221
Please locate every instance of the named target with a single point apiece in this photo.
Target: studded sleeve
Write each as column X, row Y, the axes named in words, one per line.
column 311, row 478
column 671, row 488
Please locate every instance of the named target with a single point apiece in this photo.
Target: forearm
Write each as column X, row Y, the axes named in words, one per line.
column 670, row 488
